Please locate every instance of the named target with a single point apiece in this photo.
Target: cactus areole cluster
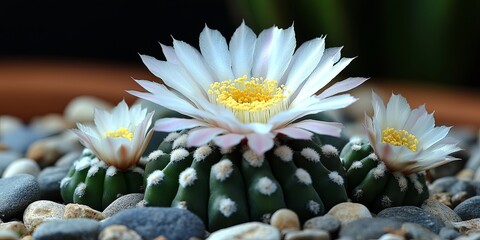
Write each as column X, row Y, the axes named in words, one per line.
column 252, row 138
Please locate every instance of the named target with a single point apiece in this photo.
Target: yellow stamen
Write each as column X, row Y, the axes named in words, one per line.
column 254, row 100
column 121, row 132
column 399, row 138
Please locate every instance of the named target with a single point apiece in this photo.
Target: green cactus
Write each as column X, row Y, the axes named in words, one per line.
column 91, row 182
column 371, row 183
column 225, row 188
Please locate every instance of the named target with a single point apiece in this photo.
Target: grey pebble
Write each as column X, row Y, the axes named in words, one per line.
column 469, row 209
column 72, row 229
column 440, row 210
column 308, row 234
column 462, row 186
column 413, row 215
column 6, row 158
column 16, row 193
column 327, row 222
column 449, row 233
column 442, row 184
column 416, row 231
column 122, row 203
column 151, row 222
column 20, row 139
column 368, row 228
column 68, row 159
column 49, row 181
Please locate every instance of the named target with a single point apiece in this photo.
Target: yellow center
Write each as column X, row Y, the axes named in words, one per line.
column 399, row 138
column 254, row 100
column 120, row 133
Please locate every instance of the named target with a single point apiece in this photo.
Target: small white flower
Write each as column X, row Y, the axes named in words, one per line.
column 250, row 89
column 407, row 140
column 119, row 137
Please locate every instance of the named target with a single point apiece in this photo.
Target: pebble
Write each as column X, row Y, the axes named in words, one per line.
column 40, row 211
column 68, row 159
column 17, row 193
column 15, row 226
column 9, row 123
column 416, row 231
column 327, row 223
column 20, row 139
column 440, row 210
column 48, row 150
column 8, row 235
column 347, row 212
column 368, row 228
column 73, row 210
column 49, row 181
column 50, row 124
column 151, row 222
column 473, row 236
column 459, row 198
column 413, row 215
column 462, row 186
column 81, row 108
column 468, row 226
column 390, row 236
column 23, row 165
column 442, row 184
column 444, row 198
column 250, row 230
column 122, row 203
column 118, row 232
column 6, row 158
column 71, row 229
column 449, row 233
column 285, row 219
column 309, row 234
column 469, row 209
column 449, row 169
column 465, row 174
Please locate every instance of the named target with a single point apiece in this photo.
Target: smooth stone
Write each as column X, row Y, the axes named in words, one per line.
column 308, row 234
column 468, row 226
column 151, row 222
column 8, row 235
column 440, row 210
column 81, row 108
column 40, row 211
column 68, row 159
column 473, row 236
column 122, row 203
column 327, row 223
column 368, row 228
column 449, row 169
column 416, row 231
column 390, row 236
column 465, row 174
column 449, row 233
column 249, row 230
column 476, row 185
column 71, row 229
column 347, row 212
column 73, row 210
column 48, row 150
column 6, row 158
column 118, row 232
column 413, row 215
column 462, row 186
column 15, row 226
column 444, row 198
column 285, row 219
column 442, row 184
column 469, row 209
column 50, row 124
column 9, row 123
column 20, row 139
column 17, row 193
column 49, row 181
column 20, row 166
column 459, row 198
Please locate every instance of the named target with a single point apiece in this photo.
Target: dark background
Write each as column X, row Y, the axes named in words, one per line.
column 428, row 42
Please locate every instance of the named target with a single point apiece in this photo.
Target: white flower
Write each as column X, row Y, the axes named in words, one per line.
column 251, row 89
column 118, row 138
column 407, row 140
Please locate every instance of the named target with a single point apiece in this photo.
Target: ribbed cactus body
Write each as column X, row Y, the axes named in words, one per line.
column 228, row 188
column 371, row 183
column 93, row 183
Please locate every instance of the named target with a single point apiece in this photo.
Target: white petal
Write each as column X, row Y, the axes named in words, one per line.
column 379, row 117
column 241, row 48
column 169, row 54
column 202, row 136
column 294, row 132
column 320, row 127
column 260, row 143
column 398, row 111
column 193, row 61
column 433, row 136
column 260, row 128
column 342, row 86
column 228, row 140
column 175, row 124
column 215, row 51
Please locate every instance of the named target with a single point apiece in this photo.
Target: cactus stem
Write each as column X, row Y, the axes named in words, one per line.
column 329, row 150
column 356, row 140
column 92, row 171
column 386, row 202
column 373, row 156
column 154, row 155
column 284, row 152
column 80, row 189
column 171, row 137
column 336, row 178
column 227, row 207
column 111, row 171
column 223, row 169
column 201, row 153
column 82, row 164
column 180, row 142
column 357, row 165
column 155, row 177
column 402, row 181
column 310, row 154
column 418, row 186
column 178, row 154
column 253, row 159
column 358, row 194
column 266, row 186
column 187, row 177
column 182, row 205
column 65, row 181
column 356, row 147
column 314, row 207
column 303, row 176
column 379, row 171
